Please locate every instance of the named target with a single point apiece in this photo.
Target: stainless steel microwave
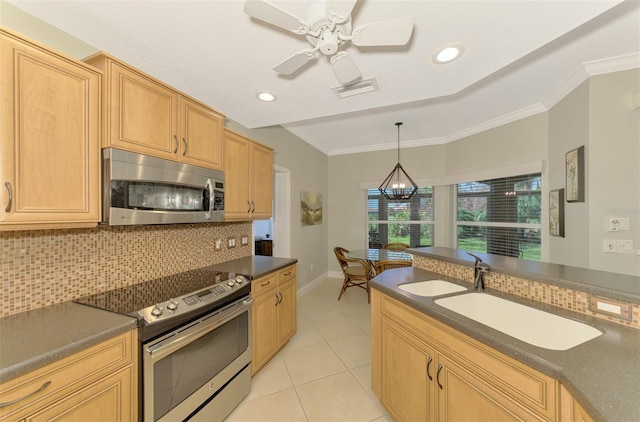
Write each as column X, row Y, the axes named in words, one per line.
column 139, row 189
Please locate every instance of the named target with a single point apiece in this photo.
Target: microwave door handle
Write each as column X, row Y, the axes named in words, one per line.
column 209, row 186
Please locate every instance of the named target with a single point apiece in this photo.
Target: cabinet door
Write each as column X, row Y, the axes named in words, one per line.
column 236, row 173
column 109, row 399
column 286, row 311
column 144, row 114
column 262, row 181
column 263, row 329
column 49, row 145
column 200, row 135
column 407, row 391
column 462, row 396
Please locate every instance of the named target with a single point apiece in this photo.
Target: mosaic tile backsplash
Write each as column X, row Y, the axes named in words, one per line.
column 540, row 292
column 44, row 267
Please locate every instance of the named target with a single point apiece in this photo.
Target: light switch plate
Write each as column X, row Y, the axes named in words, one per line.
column 624, row 246
column 231, row 242
column 217, row 244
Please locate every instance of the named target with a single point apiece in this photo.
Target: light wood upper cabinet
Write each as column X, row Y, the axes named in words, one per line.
column 50, row 138
column 144, row 115
column 248, row 170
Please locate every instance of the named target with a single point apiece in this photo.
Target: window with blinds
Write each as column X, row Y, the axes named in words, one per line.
column 409, row 222
column 500, row 216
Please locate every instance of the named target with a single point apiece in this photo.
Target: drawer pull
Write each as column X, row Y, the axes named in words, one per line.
column 8, row 185
column 265, row 284
column 428, row 365
column 286, row 274
column 42, row 387
column 438, row 375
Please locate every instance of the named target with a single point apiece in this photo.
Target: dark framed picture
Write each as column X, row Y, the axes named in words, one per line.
column 556, row 212
column 574, row 175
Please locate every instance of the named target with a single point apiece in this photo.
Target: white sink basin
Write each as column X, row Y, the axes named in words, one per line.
column 530, row 325
column 431, row 288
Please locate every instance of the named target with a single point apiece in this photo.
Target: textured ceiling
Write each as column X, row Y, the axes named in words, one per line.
column 520, row 58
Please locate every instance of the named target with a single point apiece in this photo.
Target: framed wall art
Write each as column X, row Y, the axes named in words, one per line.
column 574, row 175
column 556, row 212
column 310, row 208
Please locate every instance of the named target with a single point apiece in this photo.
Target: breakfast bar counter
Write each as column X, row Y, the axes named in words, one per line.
column 602, row 374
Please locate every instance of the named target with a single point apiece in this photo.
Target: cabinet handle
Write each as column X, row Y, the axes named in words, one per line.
column 186, row 147
column 280, row 297
column 249, row 209
column 8, row 185
column 286, row 274
column 438, row 376
column 42, row 387
column 175, row 150
column 253, row 206
column 277, row 299
column 428, row 365
column 265, row 284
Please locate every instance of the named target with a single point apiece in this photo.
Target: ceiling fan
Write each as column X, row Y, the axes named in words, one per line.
column 327, row 27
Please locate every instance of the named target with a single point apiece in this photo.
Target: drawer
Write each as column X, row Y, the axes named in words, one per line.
column 65, row 376
column 263, row 284
column 286, row 274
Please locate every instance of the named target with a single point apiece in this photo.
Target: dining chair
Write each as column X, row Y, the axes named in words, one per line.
column 357, row 272
column 396, row 246
column 380, row 266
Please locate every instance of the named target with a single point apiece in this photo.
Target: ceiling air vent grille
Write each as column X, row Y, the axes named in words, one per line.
column 365, row 85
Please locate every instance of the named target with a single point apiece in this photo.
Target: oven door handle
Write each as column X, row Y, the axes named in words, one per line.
column 197, row 329
column 209, row 187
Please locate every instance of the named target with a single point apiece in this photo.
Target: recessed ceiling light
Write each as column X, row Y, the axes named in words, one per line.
column 447, row 53
column 266, row 96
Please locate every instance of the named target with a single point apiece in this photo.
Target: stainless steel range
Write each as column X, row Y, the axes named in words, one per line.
column 195, row 335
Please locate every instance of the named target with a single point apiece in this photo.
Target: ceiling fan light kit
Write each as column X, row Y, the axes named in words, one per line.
column 328, row 28
column 398, row 185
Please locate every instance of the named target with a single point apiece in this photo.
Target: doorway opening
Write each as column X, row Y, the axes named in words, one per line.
column 272, row 237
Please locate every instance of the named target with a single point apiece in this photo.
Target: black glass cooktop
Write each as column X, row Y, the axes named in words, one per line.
column 128, row 300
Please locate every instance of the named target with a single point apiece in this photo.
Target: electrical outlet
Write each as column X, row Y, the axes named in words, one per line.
column 217, row 245
column 614, row 224
column 231, row 242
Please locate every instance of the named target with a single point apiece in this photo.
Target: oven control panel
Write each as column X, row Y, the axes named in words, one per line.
column 177, row 306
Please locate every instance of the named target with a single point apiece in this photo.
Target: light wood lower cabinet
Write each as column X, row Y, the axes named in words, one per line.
column 425, row 370
column 49, row 138
column 273, row 318
column 99, row 383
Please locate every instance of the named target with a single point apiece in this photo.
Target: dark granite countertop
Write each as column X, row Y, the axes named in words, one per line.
column 33, row 339
column 603, row 374
column 255, row 266
column 613, row 285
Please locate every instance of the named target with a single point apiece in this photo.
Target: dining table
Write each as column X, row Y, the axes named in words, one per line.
column 374, row 255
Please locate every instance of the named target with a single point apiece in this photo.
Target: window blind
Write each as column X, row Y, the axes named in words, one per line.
column 500, row 216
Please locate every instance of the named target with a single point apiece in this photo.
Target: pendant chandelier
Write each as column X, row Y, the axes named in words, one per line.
column 398, row 186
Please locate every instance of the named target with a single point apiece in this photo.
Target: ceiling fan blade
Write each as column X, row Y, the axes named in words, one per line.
column 269, row 13
column 295, row 62
column 340, row 9
column 392, row 32
column 345, row 68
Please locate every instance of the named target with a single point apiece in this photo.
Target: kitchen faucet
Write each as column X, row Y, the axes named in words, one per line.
column 480, row 267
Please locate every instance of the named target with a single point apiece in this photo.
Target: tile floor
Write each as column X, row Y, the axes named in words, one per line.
column 324, row 372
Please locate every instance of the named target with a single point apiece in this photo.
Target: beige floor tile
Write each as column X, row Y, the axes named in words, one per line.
column 273, row 377
column 314, row 310
column 337, row 398
column 277, row 407
column 337, row 327
column 311, row 363
column 354, row 350
column 304, row 336
column 363, row 375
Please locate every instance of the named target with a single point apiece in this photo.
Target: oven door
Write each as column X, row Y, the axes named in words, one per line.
column 185, row 370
